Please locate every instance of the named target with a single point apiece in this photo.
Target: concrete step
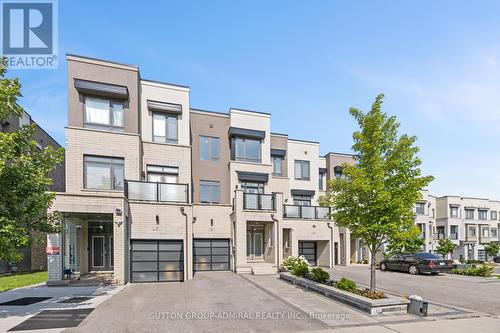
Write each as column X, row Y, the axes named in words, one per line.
column 264, row 269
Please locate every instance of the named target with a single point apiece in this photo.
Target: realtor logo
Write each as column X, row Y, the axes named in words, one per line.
column 29, row 34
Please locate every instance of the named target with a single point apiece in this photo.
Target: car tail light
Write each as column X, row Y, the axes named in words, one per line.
column 431, row 263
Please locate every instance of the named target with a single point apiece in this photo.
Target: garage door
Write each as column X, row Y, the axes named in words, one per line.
column 157, row 260
column 211, row 254
column 308, row 250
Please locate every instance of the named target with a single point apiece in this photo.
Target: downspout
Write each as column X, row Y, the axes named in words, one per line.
column 186, row 262
column 278, row 240
column 331, row 244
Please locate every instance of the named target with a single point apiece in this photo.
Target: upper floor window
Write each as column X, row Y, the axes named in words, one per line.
column 277, row 165
column 494, row 232
column 302, row 170
column 246, row 149
column 453, row 211
column 103, row 113
column 252, row 187
column 469, row 214
column 209, row 191
column 163, row 174
column 102, row 173
column 321, row 181
column 420, row 208
column 209, row 148
column 485, row 232
column 483, row 214
column 302, row 200
column 164, row 127
column 471, row 231
column 493, row 215
column 338, row 171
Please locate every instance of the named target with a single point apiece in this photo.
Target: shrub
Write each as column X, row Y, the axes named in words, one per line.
column 298, row 266
column 483, row 270
column 289, row 262
column 346, row 285
column 320, row 275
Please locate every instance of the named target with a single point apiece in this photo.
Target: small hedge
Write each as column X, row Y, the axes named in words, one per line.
column 484, row 271
column 350, row 286
column 320, row 275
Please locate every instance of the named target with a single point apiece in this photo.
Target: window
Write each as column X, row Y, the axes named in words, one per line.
column 493, row 215
column 494, row 232
column 483, row 214
column 103, row 113
column 454, row 211
column 469, row 214
column 277, row 165
column 302, row 200
column 321, row 181
column 338, row 171
column 251, row 187
column 485, row 232
column 164, row 127
column 245, row 149
column 209, row 191
column 162, row 174
column 453, row 231
column 103, row 173
column 420, row 208
column 301, row 170
column 209, row 148
column 471, row 231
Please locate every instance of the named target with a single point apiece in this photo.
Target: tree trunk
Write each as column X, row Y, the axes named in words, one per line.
column 372, row 270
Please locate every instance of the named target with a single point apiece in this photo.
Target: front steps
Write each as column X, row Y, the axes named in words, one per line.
column 264, row 269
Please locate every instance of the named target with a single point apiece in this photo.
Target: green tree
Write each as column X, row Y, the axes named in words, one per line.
column 24, row 179
column 491, row 249
column 407, row 241
column 375, row 199
column 445, row 247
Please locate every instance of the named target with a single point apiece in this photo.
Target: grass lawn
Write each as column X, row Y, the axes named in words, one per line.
column 21, row 280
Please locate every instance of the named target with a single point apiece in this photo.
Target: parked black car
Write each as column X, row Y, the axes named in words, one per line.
column 416, row 263
column 497, row 259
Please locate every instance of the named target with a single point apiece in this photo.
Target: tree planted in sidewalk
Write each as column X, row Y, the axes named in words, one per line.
column 445, row 247
column 376, row 197
column 24, row 179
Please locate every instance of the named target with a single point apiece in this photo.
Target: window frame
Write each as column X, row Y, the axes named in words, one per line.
column 281, row 163
column 302, row 163
column 303, row 199
column 110, row 126
column 420, row 205
column 166, row 115
column 484, row 213
column 495, row 213
column 112, row 172
column 211, row 139
column 467, row 217
column 162, row 173
column 211, row 184
column 321, row 181
column 245, row 158
column 452, row 208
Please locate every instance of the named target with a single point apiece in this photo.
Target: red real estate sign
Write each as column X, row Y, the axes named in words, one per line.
column 52, row 249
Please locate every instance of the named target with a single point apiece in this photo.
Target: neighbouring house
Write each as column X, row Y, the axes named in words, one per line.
column 34, row 257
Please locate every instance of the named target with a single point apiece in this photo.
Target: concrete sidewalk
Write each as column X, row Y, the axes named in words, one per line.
column 11, row 316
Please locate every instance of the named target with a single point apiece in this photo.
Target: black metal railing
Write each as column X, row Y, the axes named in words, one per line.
column 159, row 192
column 257, row 201
column 306, row 212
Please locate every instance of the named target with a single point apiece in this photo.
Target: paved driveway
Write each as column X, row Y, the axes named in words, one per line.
column 475, row 293
column 163, row 307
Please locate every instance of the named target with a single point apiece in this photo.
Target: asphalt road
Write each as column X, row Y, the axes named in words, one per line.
column 474, row 293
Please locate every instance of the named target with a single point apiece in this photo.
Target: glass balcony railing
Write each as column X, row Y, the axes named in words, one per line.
column 306, row 212
column 159, row 192
column 257, row 201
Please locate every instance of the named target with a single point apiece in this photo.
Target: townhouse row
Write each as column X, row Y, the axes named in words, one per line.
column 157, row 190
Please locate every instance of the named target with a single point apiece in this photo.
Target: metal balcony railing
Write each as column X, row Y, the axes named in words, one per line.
column 306, row 212
column 258, row 201
column 159, row 192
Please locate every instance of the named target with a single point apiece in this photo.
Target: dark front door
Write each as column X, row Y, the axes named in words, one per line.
column 336, row 253
column 100, row 246
column 308, row 250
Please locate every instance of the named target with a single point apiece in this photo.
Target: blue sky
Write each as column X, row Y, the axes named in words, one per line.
column 437, row 62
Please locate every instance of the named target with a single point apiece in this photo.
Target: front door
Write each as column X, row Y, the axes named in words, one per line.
column 255, row 244
column 101, row 249
column 98, row 261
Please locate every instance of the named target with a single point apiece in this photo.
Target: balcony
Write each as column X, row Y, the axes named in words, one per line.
column 156, row 192
column 453, row 236
column 254, row 201
column 306, row 212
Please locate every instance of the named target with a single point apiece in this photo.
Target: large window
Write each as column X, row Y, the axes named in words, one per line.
column 471, row 231
column 209, row 148
column 302, row 170
column 420, row 208
column 454, row 211
column 103, row 173
column 321, row 181
column 164, row 127
column 163, row 174
column 247, row 150
column 485, row 232
column 483, row 214
column 209, row 191
column 494, row 215
column 252, row 187
column 453, row 231
column 277, row 165
column 302, row 200
column 103, row 113
column 494, row 232
column 469, row 214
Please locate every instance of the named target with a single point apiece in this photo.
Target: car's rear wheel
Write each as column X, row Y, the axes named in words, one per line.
column 413, row 270
column 383, row 267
